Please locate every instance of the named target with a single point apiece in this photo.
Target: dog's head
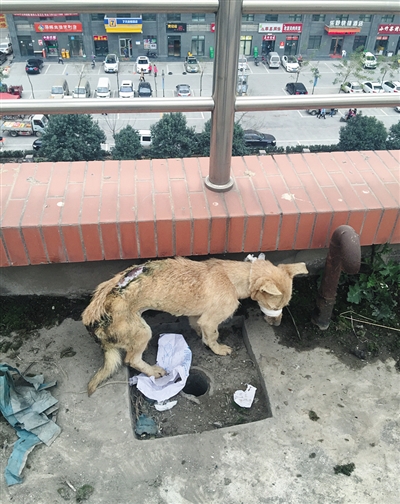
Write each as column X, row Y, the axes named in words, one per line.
column 271, row 287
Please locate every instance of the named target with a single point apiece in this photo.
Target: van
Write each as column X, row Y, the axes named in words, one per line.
column 273, row 60
column 369, row 60
column 60, row 89
column 103, row 89
column 145, row 138
column 82, row 90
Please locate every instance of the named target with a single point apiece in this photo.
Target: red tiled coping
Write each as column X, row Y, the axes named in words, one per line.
column 75, row 212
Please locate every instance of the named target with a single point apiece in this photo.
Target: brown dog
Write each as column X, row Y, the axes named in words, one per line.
column 207, row 292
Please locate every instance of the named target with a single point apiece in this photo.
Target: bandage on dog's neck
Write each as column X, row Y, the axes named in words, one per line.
column 271, row 313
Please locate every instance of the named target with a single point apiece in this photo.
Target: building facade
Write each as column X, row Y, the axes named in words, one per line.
column 172, row 36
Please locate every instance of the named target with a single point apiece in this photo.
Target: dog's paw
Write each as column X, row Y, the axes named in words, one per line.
column 157, row 371
column 221, row 349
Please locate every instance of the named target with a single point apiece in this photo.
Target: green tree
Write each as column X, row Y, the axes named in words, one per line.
column 171, row 137
column 393, row 138
column 362, row 133
column 350, row 68
column 72, row 138
column 388, row 66
column 127, row 144
column 3, row 75
column 239, row 147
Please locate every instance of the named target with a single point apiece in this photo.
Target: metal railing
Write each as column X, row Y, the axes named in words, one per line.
column 223, row 103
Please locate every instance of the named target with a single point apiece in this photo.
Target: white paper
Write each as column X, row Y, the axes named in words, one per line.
column 175, row 356
column 164, row 406
column 245, row 398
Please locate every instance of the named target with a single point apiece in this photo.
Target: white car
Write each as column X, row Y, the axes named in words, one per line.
column 372, row 87
column 391, row 86
column 143, row 65
column 242, row 64
column 290, row 63
column 351, row 87
column 126, row 89
column 111, row 63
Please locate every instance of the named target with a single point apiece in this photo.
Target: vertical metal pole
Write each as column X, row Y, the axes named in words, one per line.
column 227, row 42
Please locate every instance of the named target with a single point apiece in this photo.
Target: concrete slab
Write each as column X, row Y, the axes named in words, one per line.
column 285, row 459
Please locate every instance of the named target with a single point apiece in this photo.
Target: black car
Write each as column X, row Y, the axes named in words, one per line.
column 3, row 58
column 296, row 88
column 255, row 138
column 144, row 90
column 37, row 144
column 33, row 66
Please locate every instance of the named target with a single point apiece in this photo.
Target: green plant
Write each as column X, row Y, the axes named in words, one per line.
column 376, row 288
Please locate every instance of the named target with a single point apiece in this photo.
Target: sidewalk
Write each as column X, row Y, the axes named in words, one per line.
column 285, row 459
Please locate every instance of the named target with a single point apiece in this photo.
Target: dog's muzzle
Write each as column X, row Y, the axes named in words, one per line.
column 273, row 317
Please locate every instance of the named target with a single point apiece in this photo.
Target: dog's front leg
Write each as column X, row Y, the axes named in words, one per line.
column 210, row 338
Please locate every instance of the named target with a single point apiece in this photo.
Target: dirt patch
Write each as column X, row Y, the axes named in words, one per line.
column 207, row 400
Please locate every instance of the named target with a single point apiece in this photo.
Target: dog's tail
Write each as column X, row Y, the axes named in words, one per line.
column 112, row 360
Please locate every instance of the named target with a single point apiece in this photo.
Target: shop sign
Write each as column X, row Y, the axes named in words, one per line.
column 123, row 25
column 100, row 37
column 47, row 14
column 44, row 27
column 389, row 28
column 269, row 37
column 49, row 37
column 344, row 23
column 280, row 27
column 176, row 27
column 212, row 27
column 150, row 44
column 3, row 21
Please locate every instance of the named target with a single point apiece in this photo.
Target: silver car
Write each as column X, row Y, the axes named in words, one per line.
column 191, row 64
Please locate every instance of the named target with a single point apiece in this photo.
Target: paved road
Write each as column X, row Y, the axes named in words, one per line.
column 289, row 127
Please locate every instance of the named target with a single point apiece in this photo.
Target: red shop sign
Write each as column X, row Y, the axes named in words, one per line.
column 269, row 37
column 292, row 27
column 389, row 29
column 51, row 27
column 212, row 27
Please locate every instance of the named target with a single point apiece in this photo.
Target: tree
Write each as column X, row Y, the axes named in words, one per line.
column 350, row 67
column 72, row 138
column 239, row 147
column 388, row 66
column 316, row 75
column 171, row 137
column 362, row 133
column 393, row 138
column 127, row 144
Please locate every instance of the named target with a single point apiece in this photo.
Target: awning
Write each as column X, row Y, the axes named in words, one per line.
column 341, row 30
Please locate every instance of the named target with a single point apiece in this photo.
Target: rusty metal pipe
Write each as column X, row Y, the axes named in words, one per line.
column 344, row 255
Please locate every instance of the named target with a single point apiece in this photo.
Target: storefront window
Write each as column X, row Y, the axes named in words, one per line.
column 198, row 45
column 100, row 45
column 314, row 42
column 246, row 42
column 291, row 45
column 76, row 45
column 359, row 42
column 198, row 18
column 174, row 45
column 125, row 47
column 381, row 45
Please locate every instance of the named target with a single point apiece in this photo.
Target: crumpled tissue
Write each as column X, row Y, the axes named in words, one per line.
column 175, row 356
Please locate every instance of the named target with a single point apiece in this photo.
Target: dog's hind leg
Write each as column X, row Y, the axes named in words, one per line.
column 136, row 344
column 112, row 359
column 194, row 324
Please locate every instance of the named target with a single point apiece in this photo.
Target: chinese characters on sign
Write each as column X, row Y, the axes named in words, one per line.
column 280, row 27
column 57, row 27
column 344, row 23
column 176, row 27
column 389, row 28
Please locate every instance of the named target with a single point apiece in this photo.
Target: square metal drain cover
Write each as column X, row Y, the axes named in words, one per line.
column 206, row 403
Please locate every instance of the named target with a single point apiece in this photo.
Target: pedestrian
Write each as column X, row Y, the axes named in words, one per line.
column 60, row 59
column 332, row 112
column 155, row 70
column 141, row 79
column 150, row 68
column 344, row 53
column 319, row 113
column 323, row 113
column 126, row 53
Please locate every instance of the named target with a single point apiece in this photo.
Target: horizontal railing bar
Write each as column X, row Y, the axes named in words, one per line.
column 149, row 105
column 183, row 6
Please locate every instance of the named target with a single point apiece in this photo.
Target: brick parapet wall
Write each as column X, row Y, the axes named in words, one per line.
column 77, row 212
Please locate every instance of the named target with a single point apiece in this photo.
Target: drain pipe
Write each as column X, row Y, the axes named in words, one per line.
column 344, row 255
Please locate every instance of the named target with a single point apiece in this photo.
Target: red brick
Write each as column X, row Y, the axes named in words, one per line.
column 386, row 226
column 288, row 173
column 378, row 167
column 73, row 243
column 335, row 199
column 270, row 233
column 394, row 190
column 77, row 172
column 198, row 205
column 238, row 167
column 3, row 256
column 91, row 242
column 253, row 233
column 204, row 163
column 201, row 237
column 395, row 238
column 144, row 200
column 109, row 202
column 9, row 172
column 54, row 244
column 315, row 193
column 94, row 175
column 175, row 168
column 370, row 226
column 287, row 232
column 379, row 189
column 143, row 170
column 128, row 239
column 109, row 234
column 356, row 220
column 218, row 236
column 160, row 175
column 23, row 183
column 329, row 161
column 338, row 219
column 52, row 212
column 180, row 199
column 43, row 173
column 165, row 238
column 58, row 182
column 5, row 191
column 321, row 234
column 305, row 229
column 72, row 204
column 367, row 197
column 34, row 206
column 248, row 196
column 216, row 203
column 34, row 245
column 183, row 237
column 299, row 163
column 321, row 176
column 127, row 208
column 90, row 210
column 359, row 159
column 236, row 227
column 193, row 176
column 127, row 183
column 390, row 159
column 255, row 172
column 349, row 196
column 15, row 247
column 111, row 171
column 348, row 167
column 13, row 214
column 268, row 165
column 147, row 239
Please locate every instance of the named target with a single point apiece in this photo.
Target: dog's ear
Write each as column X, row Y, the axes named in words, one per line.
column 294, row 269
column 270, row 288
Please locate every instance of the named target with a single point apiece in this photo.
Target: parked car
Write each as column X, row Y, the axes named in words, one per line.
column 372, row 87
column 314, row 111
column 351, row 87
column 296, row 88
column 183, row 90
column 191, row 64
column 255, row 138
column 290, row 63
column 37, row 144
column 111, row 63
column 3, row 58
column 144, row 90
column 143, row 65
column 391, row 86
column 126, row 89
column 242, row 64
column 6, row 47
column 33, row 65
